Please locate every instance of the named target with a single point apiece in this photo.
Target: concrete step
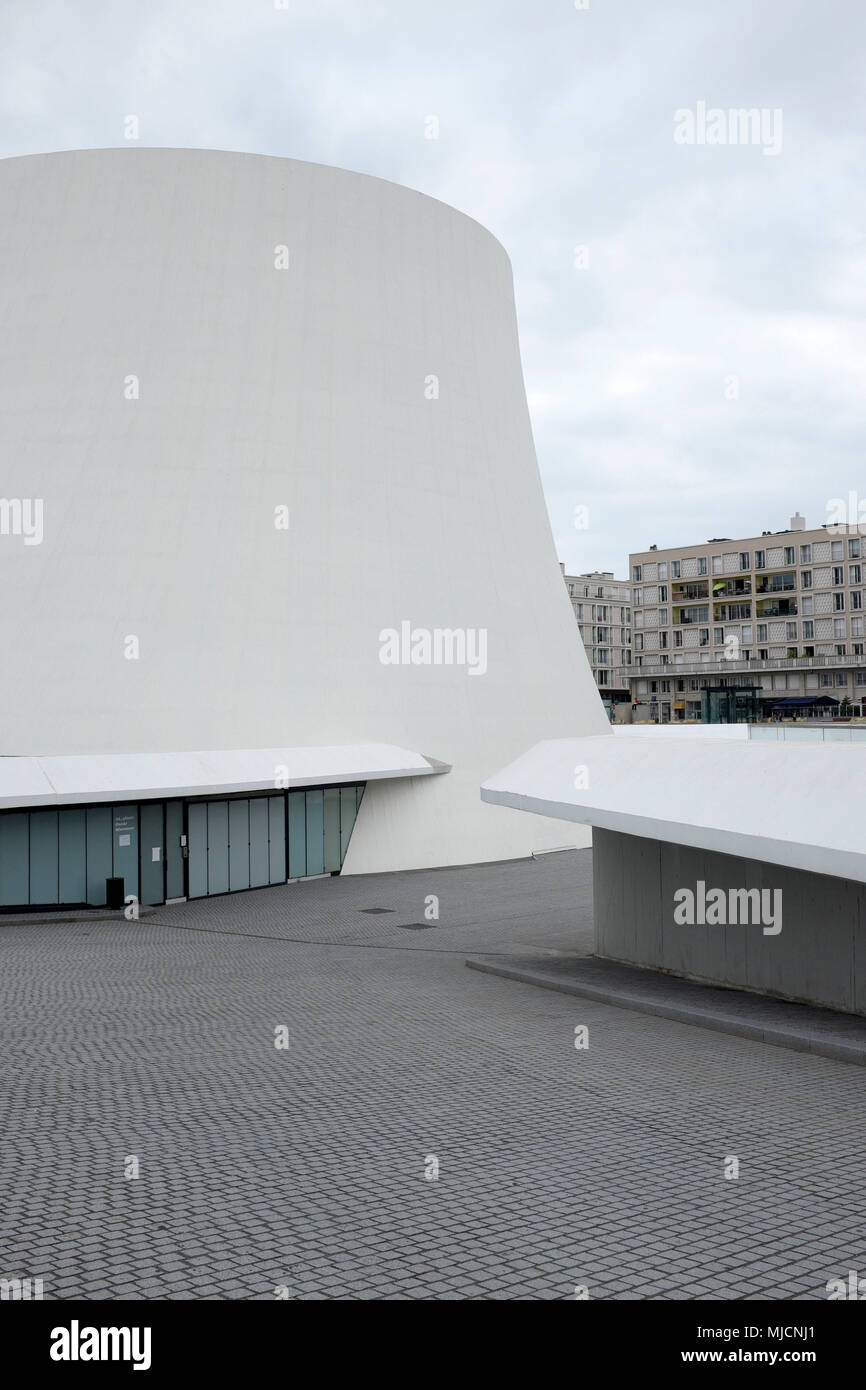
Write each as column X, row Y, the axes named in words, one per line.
column 763, row 1018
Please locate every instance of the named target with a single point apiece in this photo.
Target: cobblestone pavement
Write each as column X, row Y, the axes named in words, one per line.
column 303, row 1168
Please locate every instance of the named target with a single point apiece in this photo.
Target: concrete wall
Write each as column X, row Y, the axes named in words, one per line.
column 818, row 957
column 262, row 387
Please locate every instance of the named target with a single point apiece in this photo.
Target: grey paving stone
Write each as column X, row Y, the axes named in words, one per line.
column 306, row 1167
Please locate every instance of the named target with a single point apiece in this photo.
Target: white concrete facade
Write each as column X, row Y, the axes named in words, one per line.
column 172, row 378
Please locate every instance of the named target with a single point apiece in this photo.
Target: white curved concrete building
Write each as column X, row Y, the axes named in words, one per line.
column 255, row 413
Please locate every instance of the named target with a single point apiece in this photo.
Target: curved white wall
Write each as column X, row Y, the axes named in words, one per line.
column 261, row 387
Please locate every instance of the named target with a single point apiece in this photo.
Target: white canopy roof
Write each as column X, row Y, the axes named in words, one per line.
column 798, row 804
column 59, row 781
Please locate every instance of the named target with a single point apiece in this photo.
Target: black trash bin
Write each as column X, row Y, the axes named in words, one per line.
column 114, row 892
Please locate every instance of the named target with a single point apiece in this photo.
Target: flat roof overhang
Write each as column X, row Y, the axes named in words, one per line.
column 780, row 803
column 78, row 780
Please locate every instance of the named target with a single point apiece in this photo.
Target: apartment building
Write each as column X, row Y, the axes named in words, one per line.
column 783, row 611
column 601, row 606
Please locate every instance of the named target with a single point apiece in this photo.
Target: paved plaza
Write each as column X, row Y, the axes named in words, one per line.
column 309, row 1168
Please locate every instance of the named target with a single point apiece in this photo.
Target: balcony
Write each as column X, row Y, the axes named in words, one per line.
column 731, row 588
column 732, row 612
column 689, row 593
column 776, row 608
column 775, row 583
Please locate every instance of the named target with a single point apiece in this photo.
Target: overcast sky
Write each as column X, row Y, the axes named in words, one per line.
column 699, row 369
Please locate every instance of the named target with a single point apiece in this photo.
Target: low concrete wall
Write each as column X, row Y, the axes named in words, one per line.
column 819, row 956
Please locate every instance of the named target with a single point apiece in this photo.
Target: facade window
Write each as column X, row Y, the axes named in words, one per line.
column 854, row 550
column 663, row 593
column 805, row 554
column 718, row 636
column 854, row 574
column 841, row 679
column 805, row 579
column 857, row 599
column 747, row 632
column 760, row 560
column 841, row 649
column 745, row 560
column 791, row 632
column 638, row 641
column 808, row 630
column 663, row 639
column 663, row 617
column 835, row 550
column 675, row 569
column 699, row 614
column 762, row 632
column 838, row 602
column 838, row 574
column 808, row 604
column 663, row 569
column 638, row 596
column 838, row 627
column 717, row 564
column 856, row 627
column 704, row 636
column 789, row 555
column 636, row 573
column 678, row 637
column 702, row 564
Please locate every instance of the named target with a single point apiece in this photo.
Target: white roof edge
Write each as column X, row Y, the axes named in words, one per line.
column 755, row 800
column 82, row 779
column 793, row 855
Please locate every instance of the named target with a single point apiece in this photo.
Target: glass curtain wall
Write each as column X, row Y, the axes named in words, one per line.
column 164, row 850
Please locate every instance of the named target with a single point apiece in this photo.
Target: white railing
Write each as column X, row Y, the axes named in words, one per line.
column 722, row 667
